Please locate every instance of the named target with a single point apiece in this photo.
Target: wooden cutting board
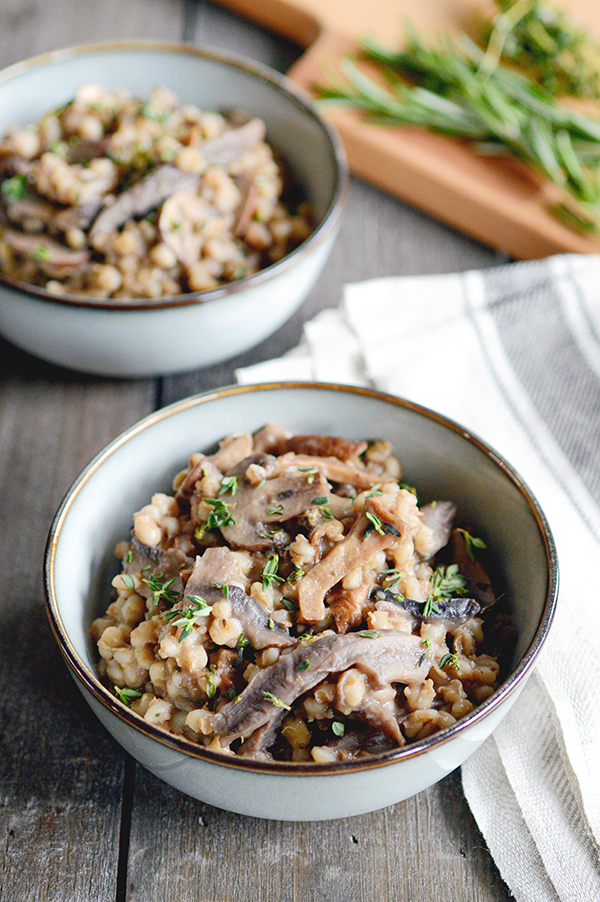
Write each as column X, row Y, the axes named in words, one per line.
column 499, row 203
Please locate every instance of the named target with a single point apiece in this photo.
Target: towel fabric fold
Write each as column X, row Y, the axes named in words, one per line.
column 513, row 354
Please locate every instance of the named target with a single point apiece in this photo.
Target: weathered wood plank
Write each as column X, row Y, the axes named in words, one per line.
column 62, row 776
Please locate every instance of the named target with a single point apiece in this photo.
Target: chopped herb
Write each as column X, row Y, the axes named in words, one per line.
column 276, row 509
column 430, row 607
column 242, row 641
column 311, row 473
column 426, row 642
column 276, row 702
column 303, row 665
column 289, row 604
column 370, row 634
column 452, row 661
column 296, row 574
column 447, row 582
column 322, row 499
column 15, row 187
column 128, row 580
column 229, row 484
column 374, row 524
column 161, row 589
column 269, row 574
column 304, row 637
column 408, row 488
column 471, row 542
column 422, row 659
column 211, row 688
column 187, row 618
column 374, row 493
column 271, row 623
column 338, row 728
column 129, row 557
column 223, row 587
column 391, row 529
column 40, row 253
column 219, row 516
column 126, row 695
column 392, row 577
column 231, row 693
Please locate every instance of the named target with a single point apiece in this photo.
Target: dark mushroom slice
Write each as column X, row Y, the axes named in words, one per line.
column 53, row 259
column 388, row 657
column 317, row 446
column 155, row 561
column 280, row 497
column 451, row 611
column 227, row 457
column 478, row 582
column 216, row 576
column 144, row 196
column 333, row 469
column 31, row 212
column 439, row 517
column 233, row 144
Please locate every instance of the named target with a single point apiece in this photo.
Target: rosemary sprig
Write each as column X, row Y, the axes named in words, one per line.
column 463, row 91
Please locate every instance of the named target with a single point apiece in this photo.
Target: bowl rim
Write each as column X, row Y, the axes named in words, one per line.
column 91, row 682
column 283, row 85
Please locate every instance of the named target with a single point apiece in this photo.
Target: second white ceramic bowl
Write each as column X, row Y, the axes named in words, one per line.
column 144, row 338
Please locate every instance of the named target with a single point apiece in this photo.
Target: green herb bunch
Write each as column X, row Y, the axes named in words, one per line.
column 464, row 91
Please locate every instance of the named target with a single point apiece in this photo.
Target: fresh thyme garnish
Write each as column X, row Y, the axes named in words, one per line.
column 311, row 473
column 229, row 484
column 15, row 187
column 323, row 502
column 370, row 634
column 375, row 524
column 471, row 542
column 447, row 582
column 223, row 587
column 276, row 702
column 338, row 728
column 269, row 574
column 128, row 580
column 276, row 509
column 289, row 604
column 128, row 557
column 450, row 660
column 161, row 589
column 303, row 665
column 187, row 618
column 430, row 607
column 392, row 577
column 126, row 695
column 219, row 516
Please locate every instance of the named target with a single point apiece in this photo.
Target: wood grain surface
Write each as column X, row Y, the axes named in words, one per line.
column 502, row 204
column 79, row 821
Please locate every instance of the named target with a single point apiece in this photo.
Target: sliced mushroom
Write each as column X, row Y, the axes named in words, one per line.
column 180, row 223
column 233, row 144
column 389, row 657
column 478, row 582
column 217, row 576
column 450, row 611
column 356, row 549
column 144, row 196
column 333, row 469
column 54, row 259
column 281, row 496
column 439, row 517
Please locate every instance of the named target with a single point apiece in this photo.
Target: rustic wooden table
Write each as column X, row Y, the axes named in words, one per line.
column 79, row 820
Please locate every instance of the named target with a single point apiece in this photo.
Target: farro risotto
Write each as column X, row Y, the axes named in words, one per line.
column 293, row 601
column 113, row 196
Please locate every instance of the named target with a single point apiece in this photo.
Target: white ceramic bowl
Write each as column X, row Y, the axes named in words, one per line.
column 191, row 330
column 438, row 456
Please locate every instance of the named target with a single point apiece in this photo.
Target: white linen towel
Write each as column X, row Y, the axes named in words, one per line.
column 512, row 353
